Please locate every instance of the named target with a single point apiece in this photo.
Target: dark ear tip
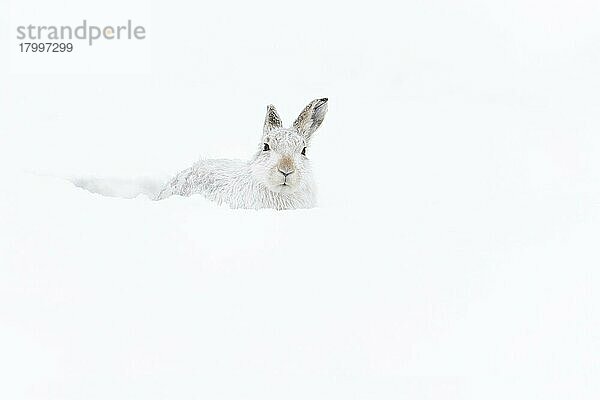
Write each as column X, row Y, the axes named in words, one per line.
column 324, row 99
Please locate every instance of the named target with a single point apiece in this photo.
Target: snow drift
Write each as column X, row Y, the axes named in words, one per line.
column 126, row 188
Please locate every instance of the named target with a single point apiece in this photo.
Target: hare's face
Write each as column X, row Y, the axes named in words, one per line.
column 281, row 163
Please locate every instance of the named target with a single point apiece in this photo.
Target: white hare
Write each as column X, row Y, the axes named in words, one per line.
column 279, row 175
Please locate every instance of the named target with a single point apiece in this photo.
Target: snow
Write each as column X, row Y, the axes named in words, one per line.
column 453, row 255
column 125, row 188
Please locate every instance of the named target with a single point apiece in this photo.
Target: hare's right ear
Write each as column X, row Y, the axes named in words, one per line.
column 311, row 117
column 272, row 119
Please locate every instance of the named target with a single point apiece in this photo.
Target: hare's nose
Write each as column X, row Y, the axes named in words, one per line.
column 286, row 173
column 286, row 165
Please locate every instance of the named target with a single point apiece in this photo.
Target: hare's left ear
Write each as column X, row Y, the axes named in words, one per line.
column 272, row 120
column 311, row 117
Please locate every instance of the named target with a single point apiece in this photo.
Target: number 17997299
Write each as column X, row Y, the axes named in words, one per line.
column 46, row 47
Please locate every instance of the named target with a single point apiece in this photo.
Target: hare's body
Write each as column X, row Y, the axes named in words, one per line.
column 231, row 182
column 278, row 176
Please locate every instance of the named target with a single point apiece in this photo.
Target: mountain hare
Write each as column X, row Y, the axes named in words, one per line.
column 278, row 176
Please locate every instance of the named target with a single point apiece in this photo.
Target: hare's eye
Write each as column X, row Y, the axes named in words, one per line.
column 303, row 151
column 266, row 147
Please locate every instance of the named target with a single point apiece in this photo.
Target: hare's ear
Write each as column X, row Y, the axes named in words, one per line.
column 272, row 119
column 311, row 117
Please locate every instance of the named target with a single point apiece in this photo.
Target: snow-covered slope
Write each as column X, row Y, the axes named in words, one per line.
column 113, row 298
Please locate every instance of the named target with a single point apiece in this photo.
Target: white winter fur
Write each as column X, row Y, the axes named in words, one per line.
column 279, row 175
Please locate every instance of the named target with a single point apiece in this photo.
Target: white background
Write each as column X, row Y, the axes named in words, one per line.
column 454, row 253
